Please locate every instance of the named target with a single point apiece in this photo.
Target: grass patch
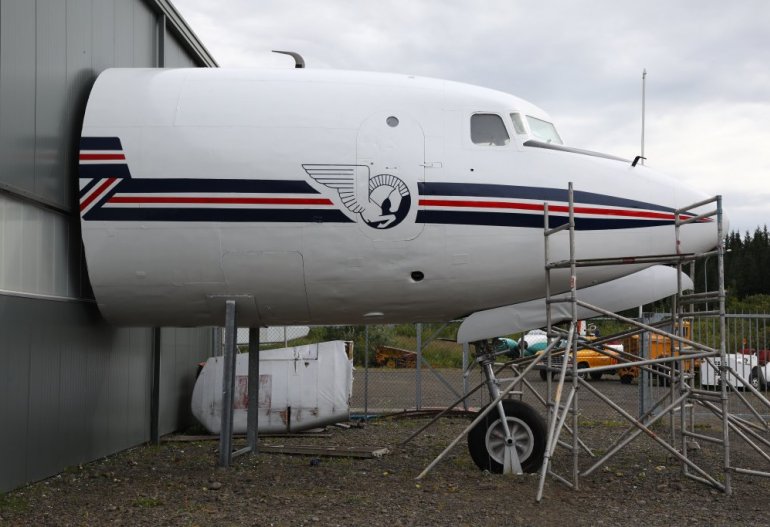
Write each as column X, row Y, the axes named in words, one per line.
column 607, row 423
column 148, row 503
column 13, row 503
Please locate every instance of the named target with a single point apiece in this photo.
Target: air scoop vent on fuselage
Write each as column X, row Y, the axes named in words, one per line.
column 550, row 146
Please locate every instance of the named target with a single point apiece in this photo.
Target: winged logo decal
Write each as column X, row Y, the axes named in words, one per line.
column 388, row 201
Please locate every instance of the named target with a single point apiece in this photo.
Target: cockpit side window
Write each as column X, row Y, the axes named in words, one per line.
column 518, row 123
column 488, row 129
column 544, row 131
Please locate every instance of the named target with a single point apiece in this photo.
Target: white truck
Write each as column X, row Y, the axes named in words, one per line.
column 745, row 365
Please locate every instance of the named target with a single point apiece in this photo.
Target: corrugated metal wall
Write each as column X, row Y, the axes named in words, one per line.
column 72, row 389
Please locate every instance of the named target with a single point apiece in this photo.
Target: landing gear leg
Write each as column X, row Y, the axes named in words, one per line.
column 511, row 439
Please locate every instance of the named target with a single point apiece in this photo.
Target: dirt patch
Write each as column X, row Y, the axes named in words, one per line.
column 178, row 484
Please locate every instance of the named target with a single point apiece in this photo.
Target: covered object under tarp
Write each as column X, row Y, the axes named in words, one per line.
column 300, row 388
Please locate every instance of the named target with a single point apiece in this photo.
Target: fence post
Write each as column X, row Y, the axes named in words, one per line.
column 418, row 372
column 645, row 384
column 466, row 351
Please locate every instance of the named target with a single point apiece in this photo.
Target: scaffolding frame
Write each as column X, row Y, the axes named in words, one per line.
column 678, row 368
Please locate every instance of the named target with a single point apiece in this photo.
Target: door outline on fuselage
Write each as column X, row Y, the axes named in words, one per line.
column 390, row 159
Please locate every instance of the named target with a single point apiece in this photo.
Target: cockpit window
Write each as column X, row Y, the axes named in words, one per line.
column 488, row 129
column 544, row 131
column 518, row 124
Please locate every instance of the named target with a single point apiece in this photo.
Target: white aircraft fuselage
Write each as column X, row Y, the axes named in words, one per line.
column 326, row 197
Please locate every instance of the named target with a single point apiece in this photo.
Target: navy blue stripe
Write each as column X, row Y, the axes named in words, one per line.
column 100, row 143
column 88, row 187
column 481, row 190
column 218, row 215
column 104, row 171
column 503, row 219
column 257, row 186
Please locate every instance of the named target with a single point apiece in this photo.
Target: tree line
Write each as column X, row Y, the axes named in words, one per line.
column 747, row 268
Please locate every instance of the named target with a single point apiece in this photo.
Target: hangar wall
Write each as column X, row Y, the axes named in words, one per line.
column 72, row 388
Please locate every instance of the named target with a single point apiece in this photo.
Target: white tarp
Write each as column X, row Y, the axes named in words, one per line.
column 301, row 387
column 636, row 289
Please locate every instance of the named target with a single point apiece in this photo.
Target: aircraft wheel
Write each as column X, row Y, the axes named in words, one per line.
column 486, row 441
column 757, row 379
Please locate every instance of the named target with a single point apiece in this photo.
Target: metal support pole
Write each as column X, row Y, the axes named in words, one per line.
column 252, row 417
column 466, row 351
column 723, row 346
column 228, row 386
column 418, row 371
column 366, row 373
column 644, row 89
column 155, row 395
column 548, row 313
column 161, row 58
column 573, row 302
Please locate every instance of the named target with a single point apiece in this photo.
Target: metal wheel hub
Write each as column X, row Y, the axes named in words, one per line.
column 520, row 433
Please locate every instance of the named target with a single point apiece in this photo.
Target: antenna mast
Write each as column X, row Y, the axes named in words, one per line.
column 644, row 83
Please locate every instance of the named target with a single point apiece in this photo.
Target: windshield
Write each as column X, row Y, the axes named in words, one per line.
column 543, row 130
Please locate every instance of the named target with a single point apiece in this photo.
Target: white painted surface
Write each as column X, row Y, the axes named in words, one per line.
column 743, row 365
column 302, row 387
column 267, row 125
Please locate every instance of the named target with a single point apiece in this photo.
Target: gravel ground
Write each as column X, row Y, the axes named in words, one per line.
column 177, row 483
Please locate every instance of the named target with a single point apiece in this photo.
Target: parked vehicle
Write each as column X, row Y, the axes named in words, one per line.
column 762, row 355
column 746, row 366
column 659, row 347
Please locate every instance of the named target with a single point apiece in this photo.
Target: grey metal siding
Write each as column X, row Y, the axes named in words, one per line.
column 50, row 53
column 39, row 251
column 181, row 351
column 72, row 389
column 17, row 100
column 176, row 57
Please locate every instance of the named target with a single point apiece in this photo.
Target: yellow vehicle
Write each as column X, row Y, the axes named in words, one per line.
column 660, row 347
column 588, row 358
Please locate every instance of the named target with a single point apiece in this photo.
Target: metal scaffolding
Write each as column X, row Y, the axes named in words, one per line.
column 677, row 369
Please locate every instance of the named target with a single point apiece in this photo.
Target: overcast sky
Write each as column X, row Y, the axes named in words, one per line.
column 708, row 64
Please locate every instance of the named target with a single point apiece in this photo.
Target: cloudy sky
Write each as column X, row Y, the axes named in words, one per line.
column 708, row 64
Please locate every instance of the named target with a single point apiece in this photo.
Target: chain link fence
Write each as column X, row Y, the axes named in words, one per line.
column 421, row 367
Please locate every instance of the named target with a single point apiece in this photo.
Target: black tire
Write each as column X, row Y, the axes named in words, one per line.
column 582, row 366
column 626, row 379
column 596, row 375
column 543, row 375
column 757, row 379
column 486, row 440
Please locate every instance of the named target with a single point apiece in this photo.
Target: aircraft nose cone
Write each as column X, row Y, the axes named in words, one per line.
column 701, row 235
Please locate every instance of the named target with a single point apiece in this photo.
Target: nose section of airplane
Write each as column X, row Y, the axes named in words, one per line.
column 703, row 233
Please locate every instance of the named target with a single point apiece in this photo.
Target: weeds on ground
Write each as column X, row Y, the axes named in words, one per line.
column 13, row 503
column 148, row 503
column 608, row 423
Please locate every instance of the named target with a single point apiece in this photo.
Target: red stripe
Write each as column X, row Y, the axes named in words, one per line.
column 552, row 208
column 101, row 157
column 228, row 201
column 96, row 193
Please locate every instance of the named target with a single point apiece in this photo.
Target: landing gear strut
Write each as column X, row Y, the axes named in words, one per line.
column 511, row 438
